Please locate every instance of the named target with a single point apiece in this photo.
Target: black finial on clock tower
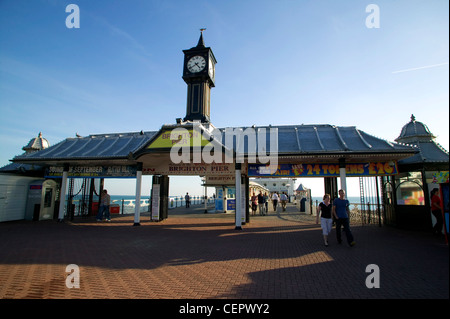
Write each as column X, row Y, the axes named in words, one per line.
column 199, row 75
column 201, row 43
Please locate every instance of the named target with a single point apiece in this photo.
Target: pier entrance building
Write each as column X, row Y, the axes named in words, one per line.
column 223, row 156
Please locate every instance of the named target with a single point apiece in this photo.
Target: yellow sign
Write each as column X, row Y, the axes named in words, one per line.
column 179, row 137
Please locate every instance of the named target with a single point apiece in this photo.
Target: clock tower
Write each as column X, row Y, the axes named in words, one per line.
column 199, row 75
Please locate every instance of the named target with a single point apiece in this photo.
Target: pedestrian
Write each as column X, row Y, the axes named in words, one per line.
column 326, row 222
column 105, row 200
column 436, row 211
column 283, row 199
column 261, row 203
column 275, row 201
column 254, row 200
column 187, row 199
column 266, row 203
column 341, row 213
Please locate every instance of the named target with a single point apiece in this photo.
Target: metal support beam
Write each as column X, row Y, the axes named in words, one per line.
column 137, row 207
column 342, row 175
column 238, row 198
column 62, row 196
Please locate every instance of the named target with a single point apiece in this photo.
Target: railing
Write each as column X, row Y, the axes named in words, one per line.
column 179, row 201
column 369, row 214
column 127, row 206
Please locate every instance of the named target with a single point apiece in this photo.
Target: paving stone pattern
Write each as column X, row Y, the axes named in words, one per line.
column 192, row 255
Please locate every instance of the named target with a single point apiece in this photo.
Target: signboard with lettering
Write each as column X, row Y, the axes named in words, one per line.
column 323, row 170
column 220, row 180
column 182, row 137
column 231, row 204
column 92, row 171
column 169, row 168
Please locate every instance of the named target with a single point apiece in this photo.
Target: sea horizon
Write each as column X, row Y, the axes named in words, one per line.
column 352, row 199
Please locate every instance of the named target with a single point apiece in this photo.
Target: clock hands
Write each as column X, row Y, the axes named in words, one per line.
column 196, row 64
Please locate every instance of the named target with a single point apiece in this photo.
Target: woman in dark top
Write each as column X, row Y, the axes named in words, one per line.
column 436, row 211
column 326, row 222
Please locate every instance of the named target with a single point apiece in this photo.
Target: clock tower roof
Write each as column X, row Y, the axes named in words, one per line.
column 201, row 42
column 200, row 45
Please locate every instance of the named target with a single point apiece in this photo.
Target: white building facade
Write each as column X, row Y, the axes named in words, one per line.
column 278, row 185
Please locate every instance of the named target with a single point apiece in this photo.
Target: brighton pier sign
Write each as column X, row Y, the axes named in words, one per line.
column 202, row 169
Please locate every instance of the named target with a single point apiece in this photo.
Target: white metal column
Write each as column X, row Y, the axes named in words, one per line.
column 137, row 207
column 342, row 175
column 238, row 198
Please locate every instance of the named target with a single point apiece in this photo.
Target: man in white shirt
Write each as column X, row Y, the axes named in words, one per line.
column 275, row 201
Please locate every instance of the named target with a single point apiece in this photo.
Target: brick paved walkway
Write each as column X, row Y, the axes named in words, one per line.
column 200, row 256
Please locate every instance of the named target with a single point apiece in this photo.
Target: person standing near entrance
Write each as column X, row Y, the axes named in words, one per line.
column 275, row 201
column 283, row 199
column 105, row 200
column 436, row 211
column 254, row 200
column 266, row 204
column 326, row 222
column 261, row 203
column 341, row 213
column 187, row 199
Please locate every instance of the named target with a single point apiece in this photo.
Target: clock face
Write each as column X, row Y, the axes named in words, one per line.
column 211, row 69
column 196, row 64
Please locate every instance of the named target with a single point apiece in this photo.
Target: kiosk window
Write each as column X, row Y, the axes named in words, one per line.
column 409, row 189
column 48, row 197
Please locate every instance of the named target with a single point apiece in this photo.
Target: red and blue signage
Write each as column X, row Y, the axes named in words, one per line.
column 322, row 170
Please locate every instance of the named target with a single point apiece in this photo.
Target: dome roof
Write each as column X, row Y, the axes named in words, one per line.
column 418, row 134
column 415, row 131
column 36, row 144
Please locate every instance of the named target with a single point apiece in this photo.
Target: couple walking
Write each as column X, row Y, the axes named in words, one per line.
column 340, row 211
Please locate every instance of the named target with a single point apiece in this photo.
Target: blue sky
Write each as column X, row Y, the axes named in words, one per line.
column 279, row 62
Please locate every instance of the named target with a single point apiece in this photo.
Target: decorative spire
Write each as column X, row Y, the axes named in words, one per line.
column 413, row 118
column 201, row 43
